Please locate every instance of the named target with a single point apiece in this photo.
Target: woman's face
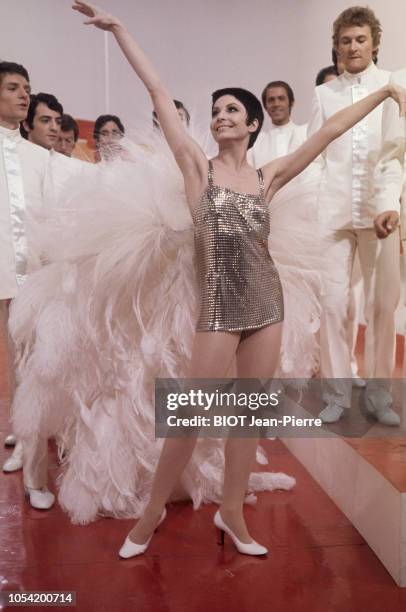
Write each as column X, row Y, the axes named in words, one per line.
column 229, row 120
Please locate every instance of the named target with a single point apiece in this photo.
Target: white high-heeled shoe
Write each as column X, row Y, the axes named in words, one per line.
column 253, row 548
column 10, row 440
column 131, row 549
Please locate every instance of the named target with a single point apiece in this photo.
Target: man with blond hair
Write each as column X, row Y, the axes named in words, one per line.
column 351, row 194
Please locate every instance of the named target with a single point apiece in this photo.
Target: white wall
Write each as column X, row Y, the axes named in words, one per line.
column 197, row 45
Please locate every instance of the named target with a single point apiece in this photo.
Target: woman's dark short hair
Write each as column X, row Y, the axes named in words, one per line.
column 102, row 120
column 48, row 99
column 12, row 68
column 179, row 105
column 286, row 87
column 251, row 104
column 67, row 124
column 325, row 72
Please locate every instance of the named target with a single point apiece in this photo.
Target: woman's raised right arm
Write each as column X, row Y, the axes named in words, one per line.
column 186, row 151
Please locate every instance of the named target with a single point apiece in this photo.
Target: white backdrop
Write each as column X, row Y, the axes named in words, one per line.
column 197, row 45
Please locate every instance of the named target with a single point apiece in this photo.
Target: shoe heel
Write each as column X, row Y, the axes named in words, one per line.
column 221, row 537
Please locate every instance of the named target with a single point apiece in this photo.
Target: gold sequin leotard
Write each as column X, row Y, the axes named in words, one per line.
column 239, row 283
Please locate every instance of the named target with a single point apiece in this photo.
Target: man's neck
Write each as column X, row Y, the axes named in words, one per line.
column 281, row 124
column 359, row 71
column 9, row 123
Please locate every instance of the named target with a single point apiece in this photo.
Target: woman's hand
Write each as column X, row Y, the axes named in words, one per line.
column 398, row 93
column 98, row 17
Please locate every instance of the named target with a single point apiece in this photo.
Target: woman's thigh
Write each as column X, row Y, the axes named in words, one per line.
column 258, row 355
column 212, row 354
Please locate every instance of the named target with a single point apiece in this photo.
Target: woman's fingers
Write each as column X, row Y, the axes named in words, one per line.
column 89, row 10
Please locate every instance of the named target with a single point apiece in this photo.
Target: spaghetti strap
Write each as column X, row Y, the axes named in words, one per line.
column 261, row 183
column 210, row 174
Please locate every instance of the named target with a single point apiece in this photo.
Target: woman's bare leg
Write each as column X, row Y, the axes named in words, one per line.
column 212, row 356
column 257, row 357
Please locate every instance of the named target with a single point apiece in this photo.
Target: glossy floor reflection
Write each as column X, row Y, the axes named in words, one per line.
column 318, row 562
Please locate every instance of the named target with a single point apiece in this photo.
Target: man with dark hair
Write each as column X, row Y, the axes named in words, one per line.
column 182, row 112
column 23, row 169
column 329, row 73
column 68, row 136
column 107, row 132
column 284, row 136
column 43, row 123
column 351, row 194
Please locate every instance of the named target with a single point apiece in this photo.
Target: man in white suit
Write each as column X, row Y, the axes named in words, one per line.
column 284, row 136
column 351, row 195
column 23, row 173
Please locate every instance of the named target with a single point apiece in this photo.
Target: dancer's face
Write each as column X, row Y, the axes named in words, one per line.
column 14, row 100
column 46, row 127
column 355, row 48
column 229, row 120
column 277, row 105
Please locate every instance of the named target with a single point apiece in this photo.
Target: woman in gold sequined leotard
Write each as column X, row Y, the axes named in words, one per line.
column 241, row 299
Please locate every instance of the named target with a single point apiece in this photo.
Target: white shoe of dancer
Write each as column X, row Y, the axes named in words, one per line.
column 252, row 548
column 131, row 549
column 10, row 440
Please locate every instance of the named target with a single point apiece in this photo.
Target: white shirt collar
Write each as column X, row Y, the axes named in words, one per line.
column 10, row 134
column 287, row 126
column 359, row 76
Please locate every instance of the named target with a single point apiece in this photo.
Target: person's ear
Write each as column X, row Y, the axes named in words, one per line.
column 253, row 126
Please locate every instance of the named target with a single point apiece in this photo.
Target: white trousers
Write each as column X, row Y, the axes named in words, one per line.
column 404, row 301
column 4, row 310
column 35, row 450
column 354, row 311
column 380, row 267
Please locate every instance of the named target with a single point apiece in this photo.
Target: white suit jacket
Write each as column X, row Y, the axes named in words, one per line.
column 30, row 179
column 276, row 142
column 352, row 193
column 23, row 170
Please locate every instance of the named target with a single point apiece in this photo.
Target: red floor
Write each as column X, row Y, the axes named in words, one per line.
column 318, row 562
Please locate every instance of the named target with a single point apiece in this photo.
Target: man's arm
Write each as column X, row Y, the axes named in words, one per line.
column 389, row 169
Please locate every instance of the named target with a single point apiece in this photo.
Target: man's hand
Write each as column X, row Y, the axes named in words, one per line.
column 386, row 223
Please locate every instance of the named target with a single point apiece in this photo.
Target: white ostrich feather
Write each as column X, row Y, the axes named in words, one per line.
column 114, row 309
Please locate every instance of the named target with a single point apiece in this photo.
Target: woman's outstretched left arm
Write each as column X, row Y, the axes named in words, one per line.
column 278, row 172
